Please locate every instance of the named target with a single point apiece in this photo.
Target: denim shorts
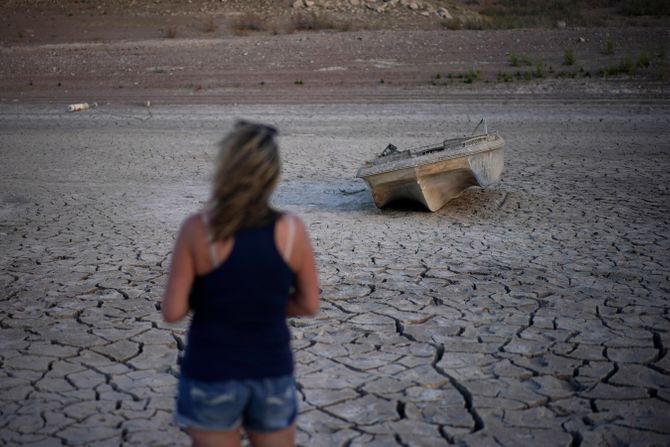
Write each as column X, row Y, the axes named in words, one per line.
column 259, row 405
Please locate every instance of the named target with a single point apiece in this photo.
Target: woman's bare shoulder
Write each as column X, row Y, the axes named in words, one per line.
column 286, row 217
column 192, row 226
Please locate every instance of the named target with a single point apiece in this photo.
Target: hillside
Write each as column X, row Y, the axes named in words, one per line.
column 50, row 21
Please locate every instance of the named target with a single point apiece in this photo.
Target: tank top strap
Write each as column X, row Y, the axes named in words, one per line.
column 210, row 240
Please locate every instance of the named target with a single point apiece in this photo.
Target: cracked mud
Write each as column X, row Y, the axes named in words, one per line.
column 534, row 312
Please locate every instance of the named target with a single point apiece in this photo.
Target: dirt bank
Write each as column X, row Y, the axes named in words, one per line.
column 384, row 65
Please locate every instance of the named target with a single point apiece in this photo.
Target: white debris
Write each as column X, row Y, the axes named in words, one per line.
column 81, row 106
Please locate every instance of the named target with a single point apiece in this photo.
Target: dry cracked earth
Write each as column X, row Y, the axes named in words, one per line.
column 533, row 312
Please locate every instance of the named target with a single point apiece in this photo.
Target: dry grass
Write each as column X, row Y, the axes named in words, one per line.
column 248, row 22
column 467, row 22
column 171, row 32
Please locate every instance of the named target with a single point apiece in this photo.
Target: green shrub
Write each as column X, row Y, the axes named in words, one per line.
column 566, row 74
column 609, row 47
column 504, row 77
column 643, row 60
column 518, row 61
column 568, row 57
column 471, row 76
column 625, row 66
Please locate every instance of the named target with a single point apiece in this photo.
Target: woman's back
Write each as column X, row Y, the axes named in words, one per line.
column 239, row 324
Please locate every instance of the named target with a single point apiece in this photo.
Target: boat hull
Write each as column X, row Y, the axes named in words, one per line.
column 434, row 184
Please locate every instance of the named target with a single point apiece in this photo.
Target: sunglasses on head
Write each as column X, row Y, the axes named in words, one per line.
column 261, row 128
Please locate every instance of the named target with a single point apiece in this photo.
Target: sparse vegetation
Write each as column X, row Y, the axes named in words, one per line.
column 299, row 82
column 517, row 61
column 625, row 66
column 312, row 22
column 525, row 75
column 504, row 77
column 566, row 75
column 246, row 23
column 644, row 60
column 609, row 47
column 452, row 24
column 630, row 65
column 467, row 22
column 171, row 32
column 471, row 76
column 468, row 77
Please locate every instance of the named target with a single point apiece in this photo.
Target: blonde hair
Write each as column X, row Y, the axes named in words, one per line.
column 247, row 171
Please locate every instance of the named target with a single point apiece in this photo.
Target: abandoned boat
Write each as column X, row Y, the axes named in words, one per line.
column 435, row 174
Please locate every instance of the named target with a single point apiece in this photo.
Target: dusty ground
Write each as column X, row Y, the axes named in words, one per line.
column 236, row 51
column 362, row 65
column 50, row 21
column 534, row 312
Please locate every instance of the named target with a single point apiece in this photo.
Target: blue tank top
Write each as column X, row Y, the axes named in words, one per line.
column 239, row 326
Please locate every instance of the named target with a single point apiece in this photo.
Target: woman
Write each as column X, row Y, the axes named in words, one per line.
column 242, row 268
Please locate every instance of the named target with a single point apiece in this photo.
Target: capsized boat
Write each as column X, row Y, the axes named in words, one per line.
column 433, row 175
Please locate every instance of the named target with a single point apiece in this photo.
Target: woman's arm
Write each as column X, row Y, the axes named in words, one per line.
column 180, row 278
column 305, row 300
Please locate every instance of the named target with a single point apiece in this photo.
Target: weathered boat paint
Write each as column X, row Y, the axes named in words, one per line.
column 434, row 175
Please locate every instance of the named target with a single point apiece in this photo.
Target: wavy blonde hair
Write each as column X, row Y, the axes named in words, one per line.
column 247, row 172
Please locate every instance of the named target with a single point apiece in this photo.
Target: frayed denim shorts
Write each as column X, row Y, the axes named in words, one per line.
column 258, row 405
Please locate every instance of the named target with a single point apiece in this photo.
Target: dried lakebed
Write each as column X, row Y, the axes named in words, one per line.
column 534, row 312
